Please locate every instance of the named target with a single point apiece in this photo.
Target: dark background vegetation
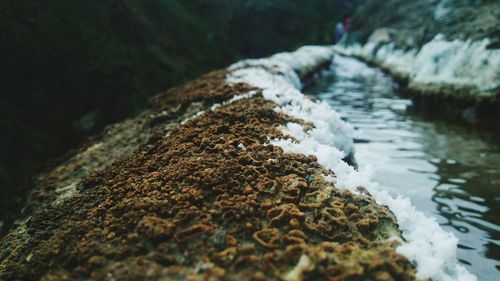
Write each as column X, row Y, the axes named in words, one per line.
column 69, row 68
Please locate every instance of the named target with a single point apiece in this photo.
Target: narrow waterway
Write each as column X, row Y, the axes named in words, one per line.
column 450, row 171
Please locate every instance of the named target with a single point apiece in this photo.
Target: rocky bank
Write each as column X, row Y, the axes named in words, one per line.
column 175, row 195
column 444, row 52
column 233, row 176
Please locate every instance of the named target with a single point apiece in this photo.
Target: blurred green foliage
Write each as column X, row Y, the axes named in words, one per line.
column 68, row 68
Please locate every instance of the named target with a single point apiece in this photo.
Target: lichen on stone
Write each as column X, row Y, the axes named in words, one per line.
column 193, row 205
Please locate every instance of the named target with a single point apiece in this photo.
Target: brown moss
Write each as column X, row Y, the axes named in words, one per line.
column 209, row 88
column 193, row 205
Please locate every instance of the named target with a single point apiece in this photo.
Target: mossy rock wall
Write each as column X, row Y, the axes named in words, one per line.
column 175, row 195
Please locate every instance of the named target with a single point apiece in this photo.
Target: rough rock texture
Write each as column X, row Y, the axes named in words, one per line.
column 155, row 198
column 421, row 20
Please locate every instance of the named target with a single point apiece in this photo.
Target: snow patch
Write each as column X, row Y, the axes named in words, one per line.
column 278, row 78
column 442, row 9
column 464, row 63
column 431, row 249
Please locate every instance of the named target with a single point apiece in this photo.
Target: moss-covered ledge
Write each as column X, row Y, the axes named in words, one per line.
column 194, row 189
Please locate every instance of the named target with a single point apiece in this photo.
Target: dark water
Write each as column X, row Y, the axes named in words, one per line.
column 450, row 171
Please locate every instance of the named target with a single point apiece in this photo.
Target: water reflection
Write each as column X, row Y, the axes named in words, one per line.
column 450, row 171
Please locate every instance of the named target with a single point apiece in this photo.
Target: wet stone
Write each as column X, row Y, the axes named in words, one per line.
column 194, row 205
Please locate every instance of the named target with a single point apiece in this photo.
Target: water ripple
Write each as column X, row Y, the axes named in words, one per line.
column 449, row 171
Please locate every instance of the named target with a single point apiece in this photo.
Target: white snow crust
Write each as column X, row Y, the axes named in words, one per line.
column 430, row 248
column 463, row 63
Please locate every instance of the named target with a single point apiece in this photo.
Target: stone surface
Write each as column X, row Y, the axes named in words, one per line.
column 155, row 198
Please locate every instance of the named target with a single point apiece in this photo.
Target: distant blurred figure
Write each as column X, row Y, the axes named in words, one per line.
column 341, row 30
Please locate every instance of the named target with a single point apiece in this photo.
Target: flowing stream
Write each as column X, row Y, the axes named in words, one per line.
column 450, row 171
